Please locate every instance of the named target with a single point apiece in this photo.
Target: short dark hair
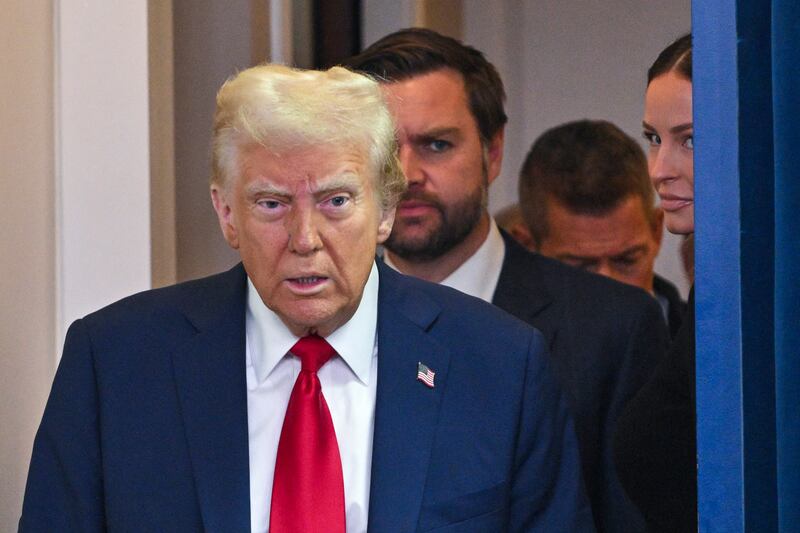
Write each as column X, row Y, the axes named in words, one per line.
column 415, row 51
column 589, row 166
column 677, row 57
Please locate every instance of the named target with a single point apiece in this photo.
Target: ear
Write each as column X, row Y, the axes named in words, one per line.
column 494, row 155
column 219, row 197
column 657, row 226
column 385, row 224
column 522, row 235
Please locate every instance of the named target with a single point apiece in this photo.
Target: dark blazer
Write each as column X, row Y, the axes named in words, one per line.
column 146, row 425
column 676, row 307
column 655, row 443
column 605, row 339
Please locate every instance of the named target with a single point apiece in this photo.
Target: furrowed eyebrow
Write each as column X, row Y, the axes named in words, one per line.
column 259, row 189
column 342, row 181
column 435, row 134
column 339, row 182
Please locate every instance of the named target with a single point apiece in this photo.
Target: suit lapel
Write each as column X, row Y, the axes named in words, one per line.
column 212, row 389
column 406, row 411
column 521, row 289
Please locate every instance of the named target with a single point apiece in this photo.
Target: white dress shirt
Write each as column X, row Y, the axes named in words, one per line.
column 478, row 275
column 348, row 384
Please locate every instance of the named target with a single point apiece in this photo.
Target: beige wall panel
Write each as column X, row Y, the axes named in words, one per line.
column 162, row 143
column 27, row 319
column 444, row 16
column 212, row 41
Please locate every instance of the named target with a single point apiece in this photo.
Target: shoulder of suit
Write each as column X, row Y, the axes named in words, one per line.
column 456, row 308
column 667, row 289
column 573, row 287
column 193, row 297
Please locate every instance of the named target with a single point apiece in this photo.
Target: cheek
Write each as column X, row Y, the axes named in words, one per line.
column 261, row 241
column 351, row 241
column 689, row 169
column 651, row 161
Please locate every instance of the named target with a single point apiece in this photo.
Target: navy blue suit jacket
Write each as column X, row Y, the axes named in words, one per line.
column 605, row 339
column 146, row 425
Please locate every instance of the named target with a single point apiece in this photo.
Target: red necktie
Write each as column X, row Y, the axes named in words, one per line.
column 308, row 489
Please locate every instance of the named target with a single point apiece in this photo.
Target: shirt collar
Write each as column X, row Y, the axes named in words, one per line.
column 268, row 338
column 478, row 275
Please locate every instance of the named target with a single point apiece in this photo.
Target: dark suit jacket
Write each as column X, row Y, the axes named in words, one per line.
column 605, row 339
column 676, row 306
column 655, row 442
column 146, row 425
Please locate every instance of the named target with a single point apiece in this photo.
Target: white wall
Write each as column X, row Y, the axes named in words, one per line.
column 565, row 60
column 102, row 155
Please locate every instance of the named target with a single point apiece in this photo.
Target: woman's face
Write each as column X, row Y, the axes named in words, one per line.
column 669, row 130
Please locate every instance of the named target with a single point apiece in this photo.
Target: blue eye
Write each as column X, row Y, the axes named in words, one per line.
column 338, row 201
column 269, row 204
column 439, row 145
column 652, row 138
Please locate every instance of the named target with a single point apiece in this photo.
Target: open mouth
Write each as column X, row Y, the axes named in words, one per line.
column 310, row 280
column 307, row 284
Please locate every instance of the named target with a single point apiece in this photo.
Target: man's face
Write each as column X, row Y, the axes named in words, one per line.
column 621, row 244
column 306, row 224
column 447, row 168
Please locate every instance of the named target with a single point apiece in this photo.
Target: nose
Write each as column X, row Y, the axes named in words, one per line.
column 412, row 167
column 304, row 236
column 661, row 164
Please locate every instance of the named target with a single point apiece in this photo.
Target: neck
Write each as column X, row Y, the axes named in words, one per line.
column 436, row 270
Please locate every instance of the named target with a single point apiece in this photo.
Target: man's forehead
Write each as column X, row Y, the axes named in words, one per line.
column 417, row 89
column 429, row 103
column 314, row 168
column 624, row 223
column 266, row 183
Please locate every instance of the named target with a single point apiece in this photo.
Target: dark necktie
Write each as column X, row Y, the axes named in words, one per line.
column 308, row 489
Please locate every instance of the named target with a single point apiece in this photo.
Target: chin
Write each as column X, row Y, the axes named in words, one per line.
column 680, row 227
column 311, row 320
column 680, row 222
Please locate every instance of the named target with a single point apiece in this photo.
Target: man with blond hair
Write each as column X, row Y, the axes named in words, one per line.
column 310, row 388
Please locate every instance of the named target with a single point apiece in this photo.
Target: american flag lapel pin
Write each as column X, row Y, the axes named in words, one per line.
column 425, row 374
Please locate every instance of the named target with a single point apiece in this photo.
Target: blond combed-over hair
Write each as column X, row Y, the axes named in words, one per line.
column 282, row 108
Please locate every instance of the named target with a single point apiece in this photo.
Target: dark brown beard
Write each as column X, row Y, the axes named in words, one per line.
column 456, row 222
